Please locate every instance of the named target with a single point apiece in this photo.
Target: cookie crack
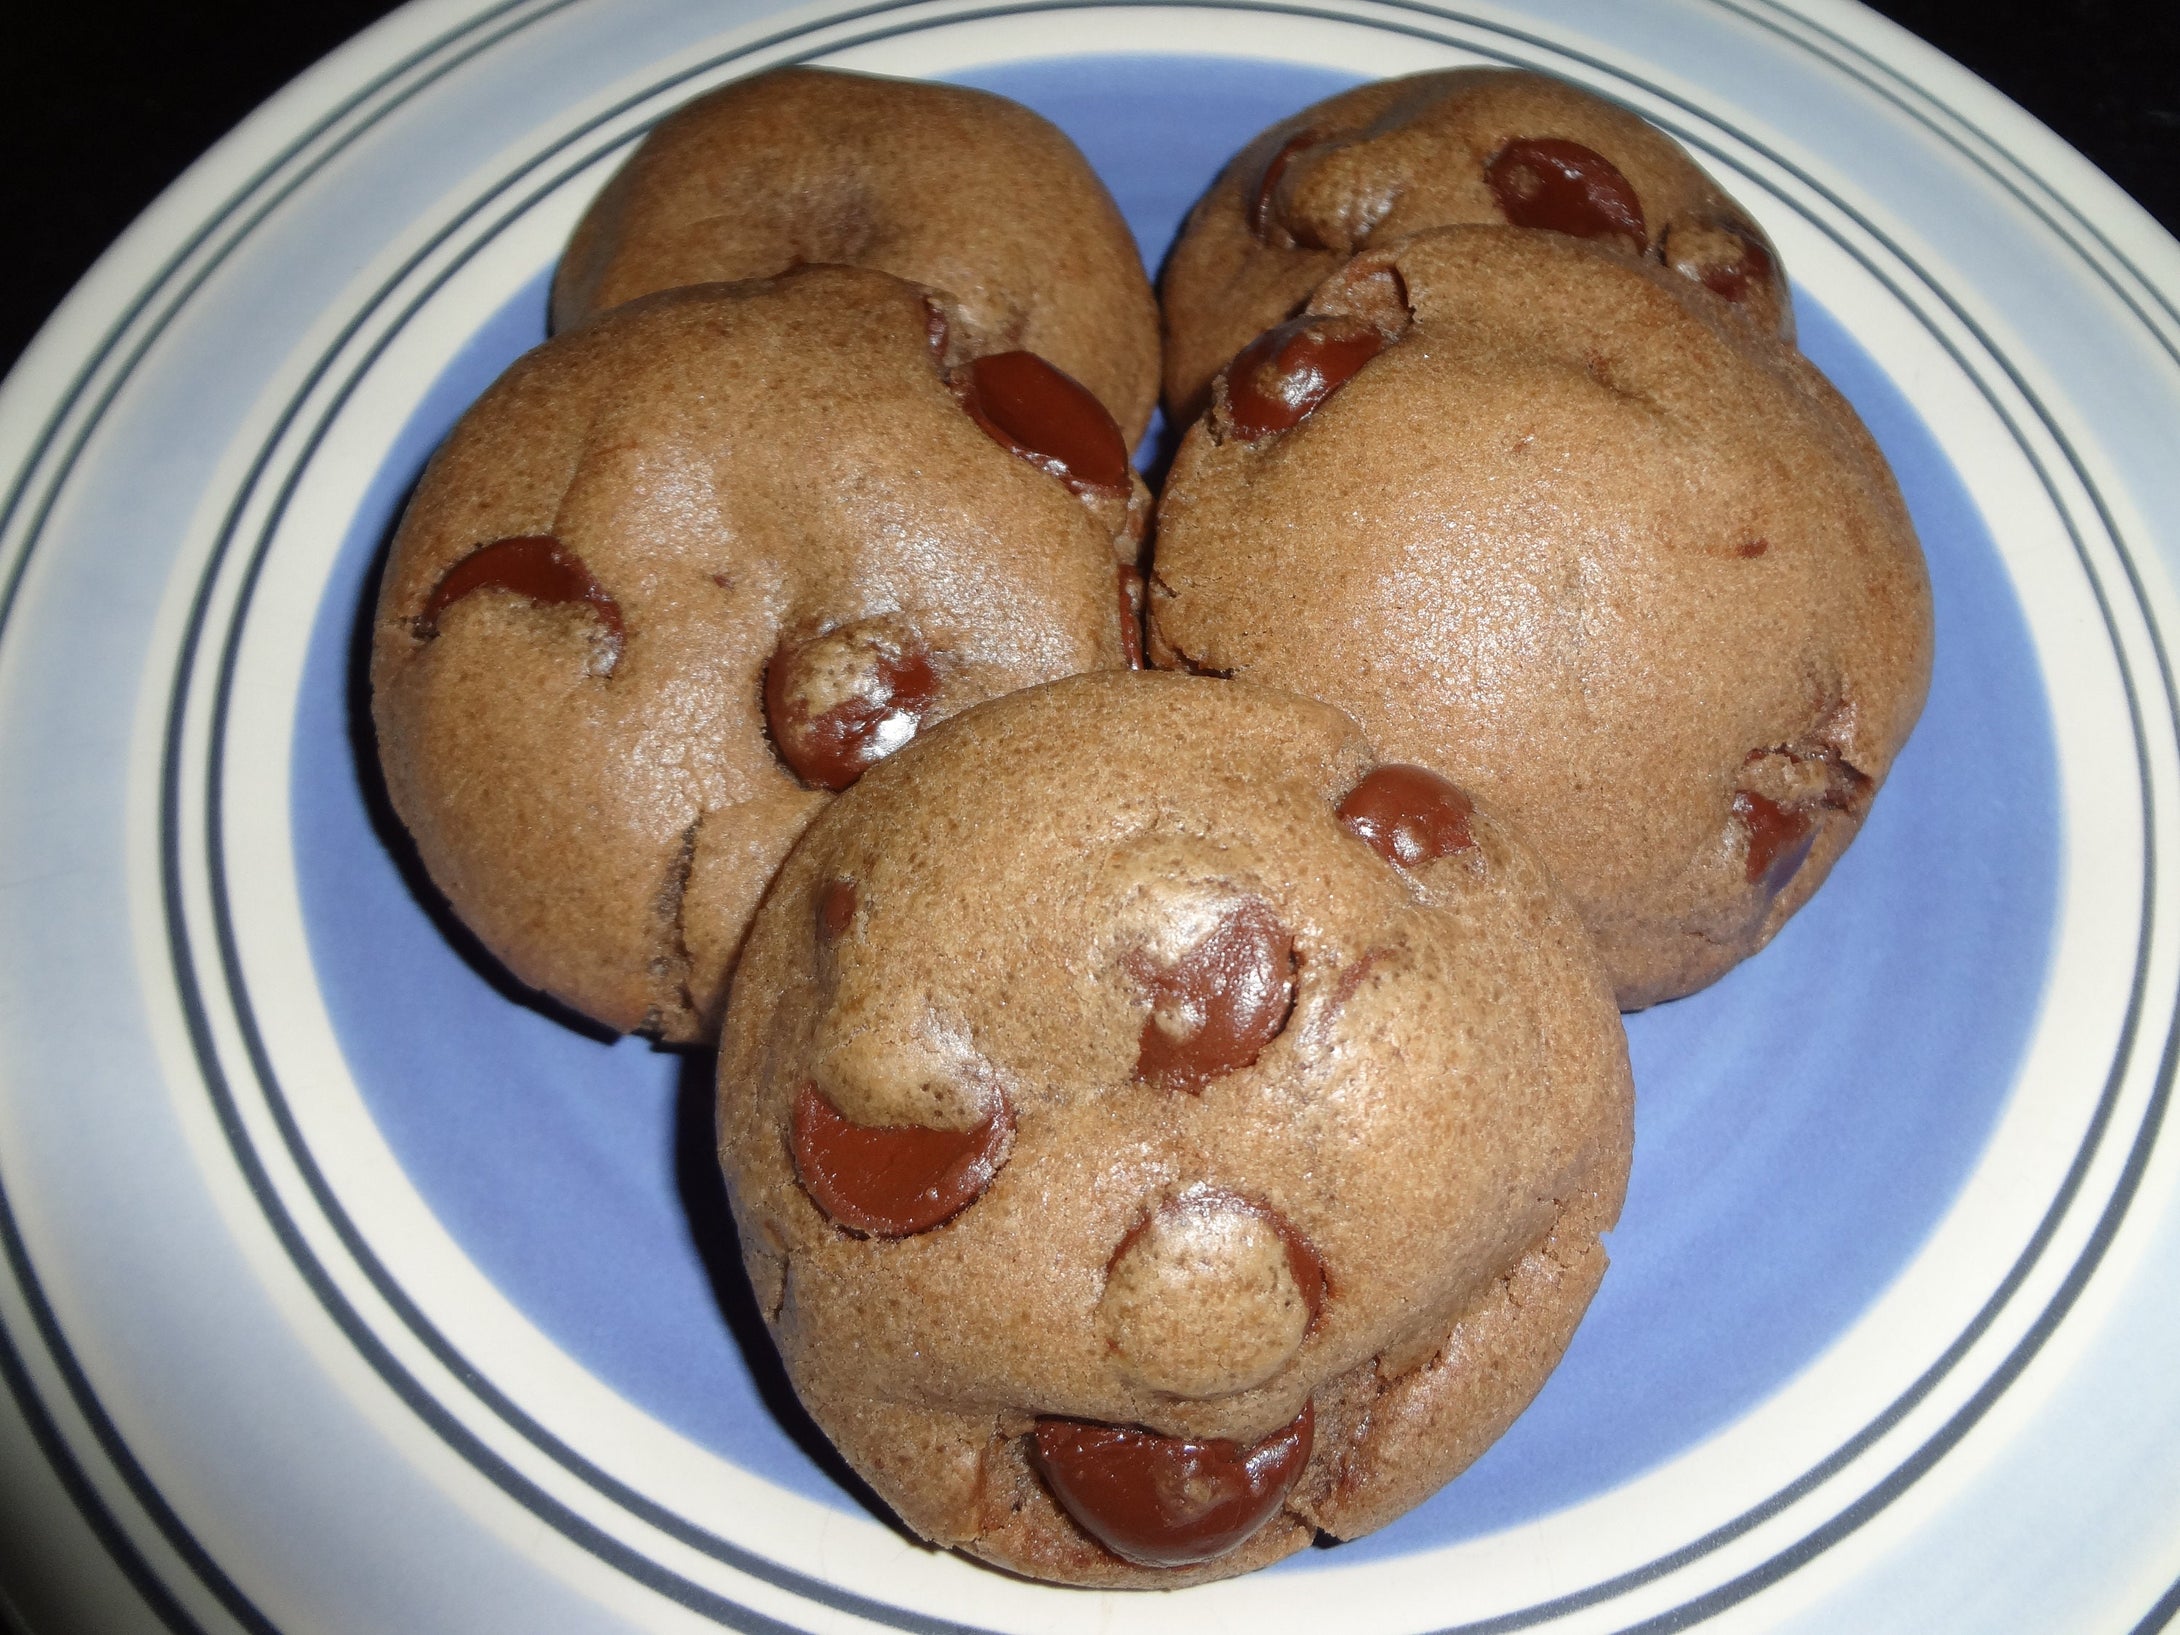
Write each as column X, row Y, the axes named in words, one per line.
column 671, row 1001
column 1194, row 666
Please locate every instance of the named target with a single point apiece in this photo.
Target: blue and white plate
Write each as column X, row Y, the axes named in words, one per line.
column 344, row 1291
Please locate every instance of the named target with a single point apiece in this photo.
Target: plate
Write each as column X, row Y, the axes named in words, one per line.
column 344, row 1289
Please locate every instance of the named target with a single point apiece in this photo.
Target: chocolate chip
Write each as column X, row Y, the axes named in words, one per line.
column 1260, row 199
column 1408, row 815
column 836, row 910
column 1725, row 257
column 1281, row 377
column 1168, row 1501
column 1045, row 417
column 536, row 566
column 1564, row 187
column 1220, row 1003
column 847, row 699
column 1810, row 779
column 1778, row 839
column 1304, row 1264
column 890, row 1181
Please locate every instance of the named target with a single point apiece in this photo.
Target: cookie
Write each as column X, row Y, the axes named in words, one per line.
column 684, row 571
column 1463, row 146
column 1159, row 1132
column 959, row 190
column 1552, row 522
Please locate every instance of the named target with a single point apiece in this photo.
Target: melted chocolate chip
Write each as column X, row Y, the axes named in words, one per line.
column 536, row 566
column 889, row 1181
column 1220, row 1003
column 836, row 910
column 1725, row 257
column 1564, row 187
column 1779, row 839
column 1167, row 1501
column 1408, row 815
column 1131, row 615
column 1281, row 377
column 846, row 700
column 1260, row 201
column 1305, row 1265
column 1046, row 417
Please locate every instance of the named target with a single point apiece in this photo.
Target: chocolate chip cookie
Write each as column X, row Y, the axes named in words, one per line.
column 1554, row 522
column 686, row 570
column 1160, row 1131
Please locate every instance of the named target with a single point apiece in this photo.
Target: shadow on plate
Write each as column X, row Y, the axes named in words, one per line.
column 719, row 1247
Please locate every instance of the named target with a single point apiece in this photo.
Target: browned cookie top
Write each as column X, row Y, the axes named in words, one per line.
column 1158, row 1131
column 960, row 190
column 1458, row 146
column 1554, row 523
column 684, row 570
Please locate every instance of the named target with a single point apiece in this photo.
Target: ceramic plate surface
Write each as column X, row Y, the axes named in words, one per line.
column 345, row 1291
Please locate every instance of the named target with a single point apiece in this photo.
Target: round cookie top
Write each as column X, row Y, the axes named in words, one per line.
column 683, row 571
column 1133, row 1090
column 956, row 189
column 1463, row 146
column 1552, row 522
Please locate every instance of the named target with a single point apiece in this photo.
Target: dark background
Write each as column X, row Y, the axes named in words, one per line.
column 109, row 103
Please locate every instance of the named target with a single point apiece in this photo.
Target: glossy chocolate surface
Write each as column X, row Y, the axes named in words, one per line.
column 889, row 1181
column 1408, row 815
column 536, row 566
column 1220, row 1003
column 1281, row 377
column 1046, row 417
column 1779, row 839
column 1564, row 187
column 1166, row 1501
column 830, row 749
